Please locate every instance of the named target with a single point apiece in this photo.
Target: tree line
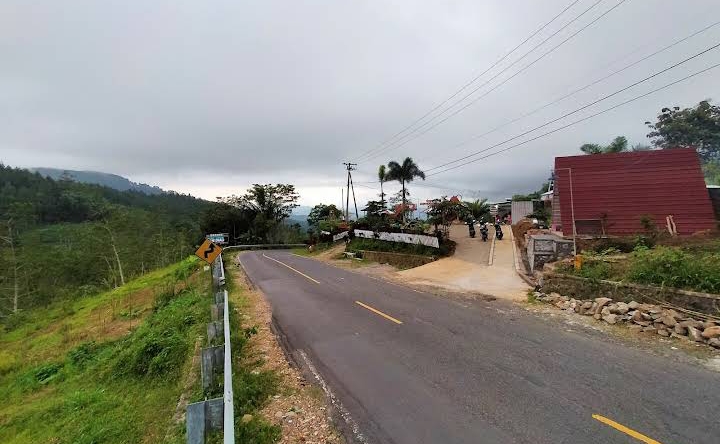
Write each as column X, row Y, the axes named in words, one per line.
column 63, row 238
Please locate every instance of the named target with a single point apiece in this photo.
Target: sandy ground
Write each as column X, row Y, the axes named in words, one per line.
column 300, row 409
column 468, row 269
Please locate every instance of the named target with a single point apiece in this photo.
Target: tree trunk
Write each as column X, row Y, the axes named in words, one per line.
column 382, row 195
column 117, row 256
column 403, row 201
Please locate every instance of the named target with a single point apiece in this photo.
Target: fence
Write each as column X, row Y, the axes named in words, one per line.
column 430, row 241
column 218, row 413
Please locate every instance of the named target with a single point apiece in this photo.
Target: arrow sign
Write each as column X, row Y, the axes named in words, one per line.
column 208, row 251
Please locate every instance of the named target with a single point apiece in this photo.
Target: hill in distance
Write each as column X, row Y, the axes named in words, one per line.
column 98, row 178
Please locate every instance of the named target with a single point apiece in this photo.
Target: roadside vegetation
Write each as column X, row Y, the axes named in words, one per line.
column 359, row 244
column 694, row 266
column 105, row 368
column 113, row 367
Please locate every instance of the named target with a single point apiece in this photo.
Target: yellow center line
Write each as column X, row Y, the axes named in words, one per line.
column 296, row 271
column 628, row 431
column 378, row 312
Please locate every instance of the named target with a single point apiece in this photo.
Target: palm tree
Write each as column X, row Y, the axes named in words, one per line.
column 478, row 208
column 382, row 175
column 406, row 172
column 618, row 145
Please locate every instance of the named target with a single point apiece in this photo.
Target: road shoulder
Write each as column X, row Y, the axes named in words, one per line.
column 300, row 408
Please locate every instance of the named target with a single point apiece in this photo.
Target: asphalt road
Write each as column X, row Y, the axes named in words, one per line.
column 456, row 371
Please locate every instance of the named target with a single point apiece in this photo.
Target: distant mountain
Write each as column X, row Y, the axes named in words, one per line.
column 95, row 177
column 301, row 211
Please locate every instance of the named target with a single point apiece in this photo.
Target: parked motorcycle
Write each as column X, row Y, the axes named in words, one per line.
column 484, row 233
column 498, row 231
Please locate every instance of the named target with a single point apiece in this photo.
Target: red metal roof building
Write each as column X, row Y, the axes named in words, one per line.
column 610, row 193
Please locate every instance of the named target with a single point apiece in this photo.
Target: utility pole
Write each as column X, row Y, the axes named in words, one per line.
column 350, row 167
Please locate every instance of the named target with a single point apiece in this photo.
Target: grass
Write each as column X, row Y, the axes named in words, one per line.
column 691, row 267
column 252, row 385
column 112, row 367
column 105, row 368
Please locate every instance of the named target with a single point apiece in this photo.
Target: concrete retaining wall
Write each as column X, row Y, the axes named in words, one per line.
column 582, row 288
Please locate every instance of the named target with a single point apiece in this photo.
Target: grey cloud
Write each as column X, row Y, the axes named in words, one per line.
column 165, row 90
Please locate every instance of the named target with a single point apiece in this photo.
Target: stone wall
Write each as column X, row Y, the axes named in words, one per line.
column 645, row 318
column 582, row 288
column 400, row 260
column 543, row 248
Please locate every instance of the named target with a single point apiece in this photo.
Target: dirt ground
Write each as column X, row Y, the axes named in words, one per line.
column 300, row 408
column 470, row 268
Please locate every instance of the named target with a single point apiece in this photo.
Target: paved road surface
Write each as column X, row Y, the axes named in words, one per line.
column 476, row 372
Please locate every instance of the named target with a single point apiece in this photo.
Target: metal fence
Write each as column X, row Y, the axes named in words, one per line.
column 218, row 413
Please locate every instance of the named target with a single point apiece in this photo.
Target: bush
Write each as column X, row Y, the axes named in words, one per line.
column 81, row 355
column 358, row 244
column 673, row 267
column 160, row 345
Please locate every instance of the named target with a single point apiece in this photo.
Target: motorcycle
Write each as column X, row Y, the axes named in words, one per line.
column 484, row 233
column 498, row 231
column 471, row 229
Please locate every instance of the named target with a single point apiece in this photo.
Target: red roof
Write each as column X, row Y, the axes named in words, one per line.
column 614, row 191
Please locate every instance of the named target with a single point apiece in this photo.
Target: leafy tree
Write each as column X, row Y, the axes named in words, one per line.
column 618, row 145
column 697, row 127
column 225, row 218
column 712, row 172
column 374, row 208
column 442, row 212
column 322, row 212
column 382, row 176
column 404, row 173
column 266, row 206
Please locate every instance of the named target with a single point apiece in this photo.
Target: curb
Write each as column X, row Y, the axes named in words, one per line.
column 516, row 257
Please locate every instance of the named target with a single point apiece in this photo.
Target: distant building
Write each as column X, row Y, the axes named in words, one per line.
column 609, row 194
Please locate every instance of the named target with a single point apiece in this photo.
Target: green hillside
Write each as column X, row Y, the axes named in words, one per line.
column 64, row 238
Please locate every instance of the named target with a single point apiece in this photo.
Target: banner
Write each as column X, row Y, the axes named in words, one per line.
column 339, row 236
column 430, row 241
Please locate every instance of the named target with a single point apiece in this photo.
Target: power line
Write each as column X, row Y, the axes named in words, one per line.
column 415, row 135
column 570, row 94
column 579, row 120
column 473, row 80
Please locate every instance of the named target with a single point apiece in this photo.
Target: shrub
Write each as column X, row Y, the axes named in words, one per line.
column 675, row 268
column 81, row 355
column 160, row 345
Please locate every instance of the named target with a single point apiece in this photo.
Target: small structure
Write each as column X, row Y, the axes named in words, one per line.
column 543, row 248
column 621, row 193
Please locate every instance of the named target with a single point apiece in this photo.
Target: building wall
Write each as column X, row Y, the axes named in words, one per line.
column 520, row 209
column 615, row 190
column 715, row 199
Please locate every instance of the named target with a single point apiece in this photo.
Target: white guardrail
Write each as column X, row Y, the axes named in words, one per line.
column 228, row 407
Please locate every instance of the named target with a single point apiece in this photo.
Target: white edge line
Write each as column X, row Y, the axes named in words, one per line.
column 344, row 413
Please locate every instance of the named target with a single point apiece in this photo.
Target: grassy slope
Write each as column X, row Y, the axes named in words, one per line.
column 77, row 371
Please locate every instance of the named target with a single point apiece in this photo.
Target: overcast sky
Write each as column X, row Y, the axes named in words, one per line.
column 207, row 97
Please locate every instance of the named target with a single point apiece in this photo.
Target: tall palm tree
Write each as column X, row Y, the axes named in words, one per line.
column 478, row 209
column 382, row 175
column 404, row 173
